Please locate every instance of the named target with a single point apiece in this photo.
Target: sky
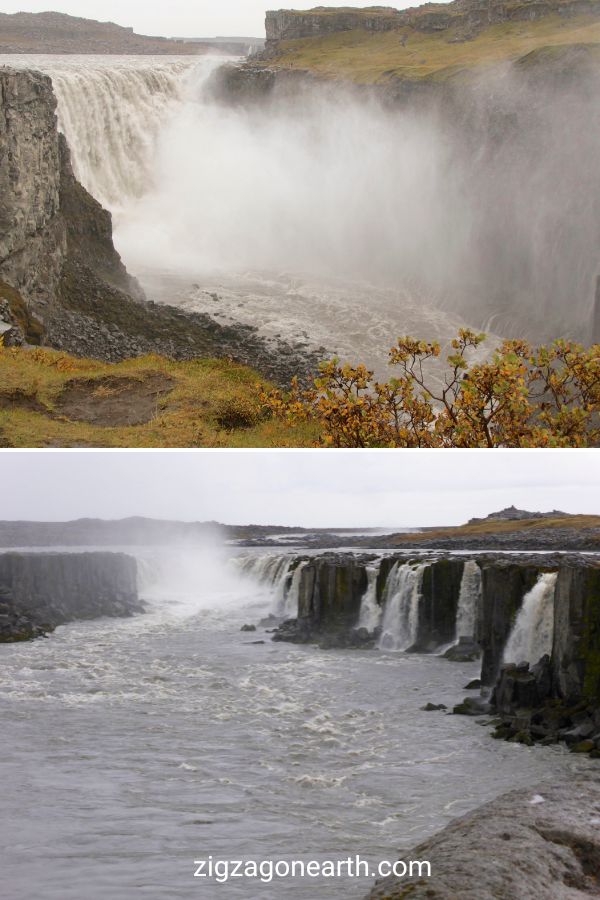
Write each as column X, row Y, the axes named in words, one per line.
column 180, row 18
column 303, row 488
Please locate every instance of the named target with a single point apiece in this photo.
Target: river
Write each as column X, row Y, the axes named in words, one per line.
column 131, row 748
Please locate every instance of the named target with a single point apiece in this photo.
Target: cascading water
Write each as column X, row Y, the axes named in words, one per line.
column 533, row 631
column 401, row 597
column 468, row 601
column 112, row 114
column 370, row 610
column 274, row 572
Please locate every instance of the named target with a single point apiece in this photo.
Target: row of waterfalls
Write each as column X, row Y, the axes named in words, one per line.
column 393, row 612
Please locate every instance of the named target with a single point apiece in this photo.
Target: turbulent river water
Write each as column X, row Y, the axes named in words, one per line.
column 130, row 748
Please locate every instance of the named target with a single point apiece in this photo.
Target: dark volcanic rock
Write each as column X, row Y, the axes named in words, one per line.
column 39, row 591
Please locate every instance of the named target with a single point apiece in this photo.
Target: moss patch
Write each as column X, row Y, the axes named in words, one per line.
column 51, row 399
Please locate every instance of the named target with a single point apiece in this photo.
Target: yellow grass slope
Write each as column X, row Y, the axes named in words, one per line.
column 376, row 57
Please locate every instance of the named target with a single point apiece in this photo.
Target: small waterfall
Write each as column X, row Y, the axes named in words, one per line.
column 468, row 601
column 401, row 597
column 274, row 572
column 533, row 630
column 370, row 610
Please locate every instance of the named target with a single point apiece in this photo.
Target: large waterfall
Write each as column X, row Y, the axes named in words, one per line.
column 113, row 114
column 401, row 597
column 468, row 601
column 291, row 212
column 533, row 631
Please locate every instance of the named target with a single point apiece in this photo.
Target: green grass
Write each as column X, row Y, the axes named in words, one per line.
column 205, row 394
column 376, row 57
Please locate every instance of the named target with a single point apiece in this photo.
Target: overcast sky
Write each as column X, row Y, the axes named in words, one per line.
column 191, row 18
column 327, row 488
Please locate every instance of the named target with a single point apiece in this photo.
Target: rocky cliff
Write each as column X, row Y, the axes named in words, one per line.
column 468, row 16
column 556, row 697
column 39, row 591
column 63, row 284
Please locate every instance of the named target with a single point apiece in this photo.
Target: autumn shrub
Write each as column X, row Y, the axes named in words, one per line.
column 516, row 397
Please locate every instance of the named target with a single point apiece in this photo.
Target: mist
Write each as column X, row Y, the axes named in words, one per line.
column 370, row 218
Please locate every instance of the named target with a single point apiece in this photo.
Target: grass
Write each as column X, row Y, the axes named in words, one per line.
column 376, row 57
column 212, row 403
column 578, row 523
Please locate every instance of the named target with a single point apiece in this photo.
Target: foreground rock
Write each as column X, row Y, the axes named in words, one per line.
column 40, row 591
column 539, row 843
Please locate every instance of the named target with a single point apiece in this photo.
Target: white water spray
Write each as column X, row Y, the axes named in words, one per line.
column 468, row 601
column 402, row 597
column 274, row 572
column 533, row 631
column 370, row 610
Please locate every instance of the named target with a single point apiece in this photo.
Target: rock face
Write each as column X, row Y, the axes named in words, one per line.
column 468, row 16
column 49, row 225
column 576, row 650
column 439, row 604
column 543, row 842
column 40, row 591
column 329, row 599
column 33, row 239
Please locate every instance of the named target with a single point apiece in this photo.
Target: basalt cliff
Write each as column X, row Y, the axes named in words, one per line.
column 533, row 621
column 40, row 591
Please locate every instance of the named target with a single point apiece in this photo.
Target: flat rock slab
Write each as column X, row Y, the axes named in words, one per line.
column 538, row 844
column 114, row 400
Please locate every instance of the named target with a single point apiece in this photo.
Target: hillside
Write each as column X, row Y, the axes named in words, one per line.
column 51, row 399
column 432, row 42
column 52, row 32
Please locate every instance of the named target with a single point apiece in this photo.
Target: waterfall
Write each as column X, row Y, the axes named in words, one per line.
column 401, row 597
column 533, row 631
column 274, row 572
column 370, row 610
column 113, row 112
column 468, row 601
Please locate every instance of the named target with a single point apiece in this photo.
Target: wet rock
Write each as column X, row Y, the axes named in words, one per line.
column 473, row 685
column 472, row 706
column 512, row 847
column 248, row 628
column 432, row 707
column 467, row 650
column 583, row 747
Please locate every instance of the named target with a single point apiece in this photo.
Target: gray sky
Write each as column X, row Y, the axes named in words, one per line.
column 203, row 18
column 326, row 488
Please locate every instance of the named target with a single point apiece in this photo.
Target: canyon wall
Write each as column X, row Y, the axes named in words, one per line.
column 39, row 591
column 55, row 239
column 553, row 697
column 466, row 15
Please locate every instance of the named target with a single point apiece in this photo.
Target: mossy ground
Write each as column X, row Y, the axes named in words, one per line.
column 376, row 57
column 211, row 403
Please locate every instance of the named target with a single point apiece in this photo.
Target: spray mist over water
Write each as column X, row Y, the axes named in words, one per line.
column 487, row 208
